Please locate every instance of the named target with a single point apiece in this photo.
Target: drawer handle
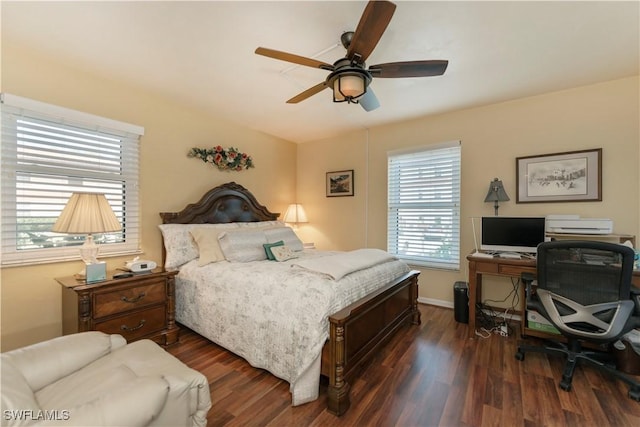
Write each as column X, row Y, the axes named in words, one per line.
column 133, row 300
column 135, row 328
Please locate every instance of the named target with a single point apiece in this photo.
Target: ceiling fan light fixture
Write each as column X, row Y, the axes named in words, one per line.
column 349, row 78
column 349, row 87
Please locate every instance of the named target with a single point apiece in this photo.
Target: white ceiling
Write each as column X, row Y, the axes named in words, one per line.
column 202, row 53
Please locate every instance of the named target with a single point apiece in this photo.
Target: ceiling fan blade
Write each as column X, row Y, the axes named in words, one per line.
column 289, row 57
column 409, row 69
column 374, row 21
column 369, row 101
column 308, row 93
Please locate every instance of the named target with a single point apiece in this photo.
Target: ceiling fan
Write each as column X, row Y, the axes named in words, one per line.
column 349, row 78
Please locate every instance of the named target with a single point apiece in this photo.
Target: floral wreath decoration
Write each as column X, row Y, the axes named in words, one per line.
column 230, row 159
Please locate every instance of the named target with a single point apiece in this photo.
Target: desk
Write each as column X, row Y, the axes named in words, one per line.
column 510, row 268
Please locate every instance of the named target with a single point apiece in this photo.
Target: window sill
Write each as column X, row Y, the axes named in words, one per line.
column 59, row 259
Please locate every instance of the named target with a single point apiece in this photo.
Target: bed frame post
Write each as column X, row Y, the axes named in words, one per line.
column 415, row 318
column 338, row 390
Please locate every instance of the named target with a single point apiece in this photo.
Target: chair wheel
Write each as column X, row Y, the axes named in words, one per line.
column 565, row 385
column 520, row 356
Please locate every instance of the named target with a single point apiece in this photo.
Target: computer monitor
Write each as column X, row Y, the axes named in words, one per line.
column 512, row 234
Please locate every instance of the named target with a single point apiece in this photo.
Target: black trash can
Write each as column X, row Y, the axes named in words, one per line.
column 461, row 302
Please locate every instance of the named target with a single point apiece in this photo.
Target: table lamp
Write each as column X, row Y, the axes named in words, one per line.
column 496, row 194
column 88, row 213
column 295, row 214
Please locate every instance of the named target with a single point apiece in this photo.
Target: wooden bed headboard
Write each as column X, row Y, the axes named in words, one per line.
column 228, row 202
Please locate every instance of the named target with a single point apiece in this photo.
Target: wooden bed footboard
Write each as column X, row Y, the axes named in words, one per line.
column 361, row 329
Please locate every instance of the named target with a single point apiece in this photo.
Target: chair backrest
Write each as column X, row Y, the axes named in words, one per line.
column 587, row 273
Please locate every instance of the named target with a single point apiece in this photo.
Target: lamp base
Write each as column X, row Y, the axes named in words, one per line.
column 89, row 250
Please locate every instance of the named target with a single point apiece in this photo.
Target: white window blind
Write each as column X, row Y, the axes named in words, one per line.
column 424, row 205
column 49, row 152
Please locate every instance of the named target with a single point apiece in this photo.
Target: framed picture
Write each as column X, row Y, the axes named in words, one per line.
column 574, row 176
column 340, row 183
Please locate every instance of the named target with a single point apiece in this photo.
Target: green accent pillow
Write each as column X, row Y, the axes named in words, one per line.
column 268, row 246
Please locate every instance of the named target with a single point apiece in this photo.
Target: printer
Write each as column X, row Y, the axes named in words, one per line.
column 573, row 224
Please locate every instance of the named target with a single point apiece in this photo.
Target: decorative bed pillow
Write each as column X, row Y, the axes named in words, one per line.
column 283, row 253
column 285, row 234
column 206, row 239
column 179, row 245
column 269, row 246
column 243, row 245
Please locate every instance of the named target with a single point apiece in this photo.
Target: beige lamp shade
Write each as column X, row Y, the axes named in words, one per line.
column 295, row 214
column 87, row 213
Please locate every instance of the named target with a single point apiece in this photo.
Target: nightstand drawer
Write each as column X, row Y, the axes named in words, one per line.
column 135, row 325
column 123, row 300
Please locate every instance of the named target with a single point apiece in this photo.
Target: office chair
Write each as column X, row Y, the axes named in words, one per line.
column 584, row 290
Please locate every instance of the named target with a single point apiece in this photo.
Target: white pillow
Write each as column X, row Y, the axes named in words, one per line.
column 179, row 245
column 243, row 245
column 287, row 235
column 261, row 224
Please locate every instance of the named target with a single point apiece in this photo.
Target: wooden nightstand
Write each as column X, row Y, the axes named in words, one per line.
column 141, row 306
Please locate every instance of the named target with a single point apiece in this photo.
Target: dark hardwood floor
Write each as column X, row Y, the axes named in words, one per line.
column 427, row 375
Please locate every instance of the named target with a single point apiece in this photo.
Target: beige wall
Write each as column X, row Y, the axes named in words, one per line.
column 604, row 115
column 31, row 300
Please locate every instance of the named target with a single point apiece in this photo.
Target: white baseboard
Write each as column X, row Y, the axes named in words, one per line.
column 436, row 302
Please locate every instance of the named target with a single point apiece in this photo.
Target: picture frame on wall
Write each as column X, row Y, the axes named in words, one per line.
column 340, row 183
column 574, row 176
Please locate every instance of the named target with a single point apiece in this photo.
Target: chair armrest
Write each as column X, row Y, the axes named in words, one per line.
column 135, row 403
column 528, row 279
column 635, row 296
column 532, row 302
column 48, row 361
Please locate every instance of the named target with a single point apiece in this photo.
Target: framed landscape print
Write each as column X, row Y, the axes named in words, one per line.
column 574, row 176
column 340, row 183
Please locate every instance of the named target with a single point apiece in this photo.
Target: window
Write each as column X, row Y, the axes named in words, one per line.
column 49, row 152
column 424, row 205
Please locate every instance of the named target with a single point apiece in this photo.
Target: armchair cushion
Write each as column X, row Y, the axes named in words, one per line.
column 83, row 386
column 95, row 379
column 16, row 393
column 122, row 406
column 189, row 396
column 48, row 361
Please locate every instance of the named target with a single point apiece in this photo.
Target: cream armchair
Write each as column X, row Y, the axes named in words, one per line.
column 95, row 379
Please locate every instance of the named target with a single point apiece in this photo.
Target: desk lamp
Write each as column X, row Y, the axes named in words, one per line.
column 88, row 213
column 496, row 194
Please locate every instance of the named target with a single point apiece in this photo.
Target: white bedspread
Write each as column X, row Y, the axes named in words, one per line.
column 273, row 315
